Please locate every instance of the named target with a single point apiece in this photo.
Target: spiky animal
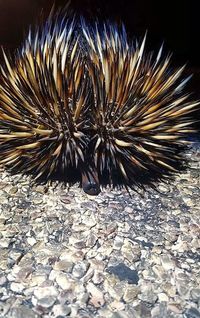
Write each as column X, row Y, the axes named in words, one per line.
column 90, row 101
column 44, row 98
column 142, row 116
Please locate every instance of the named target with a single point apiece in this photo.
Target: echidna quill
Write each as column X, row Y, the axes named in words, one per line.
column 91, row 101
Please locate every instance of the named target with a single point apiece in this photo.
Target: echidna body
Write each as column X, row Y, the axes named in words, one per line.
column 44, row 97
column 142, row 116
column 93, row 102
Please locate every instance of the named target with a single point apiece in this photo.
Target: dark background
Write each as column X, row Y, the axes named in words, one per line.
column 177, row 23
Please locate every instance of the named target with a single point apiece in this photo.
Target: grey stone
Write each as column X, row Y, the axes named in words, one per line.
column 46, row 302
column 80, row 269
column 22, row 312
column 124, row 273
column 192, row 313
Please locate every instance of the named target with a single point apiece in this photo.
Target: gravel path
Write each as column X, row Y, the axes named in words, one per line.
column 65, row 254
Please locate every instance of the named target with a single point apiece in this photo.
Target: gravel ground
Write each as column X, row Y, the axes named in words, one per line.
column 65, row 254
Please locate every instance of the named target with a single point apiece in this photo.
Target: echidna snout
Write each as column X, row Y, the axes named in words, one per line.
column 90, row 182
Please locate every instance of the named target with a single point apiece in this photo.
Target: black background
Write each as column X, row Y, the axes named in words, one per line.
column 177, row 23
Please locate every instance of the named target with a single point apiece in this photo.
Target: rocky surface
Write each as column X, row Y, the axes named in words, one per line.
column 65, row 254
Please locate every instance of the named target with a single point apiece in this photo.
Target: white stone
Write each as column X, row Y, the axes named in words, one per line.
column 31, row 241
column 42, row 292
column 16, row 287
column 63, row 281
column 61, row 310
column 97, row 297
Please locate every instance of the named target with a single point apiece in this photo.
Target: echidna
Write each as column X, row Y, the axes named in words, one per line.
column 91, row 101
column 44, row 102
